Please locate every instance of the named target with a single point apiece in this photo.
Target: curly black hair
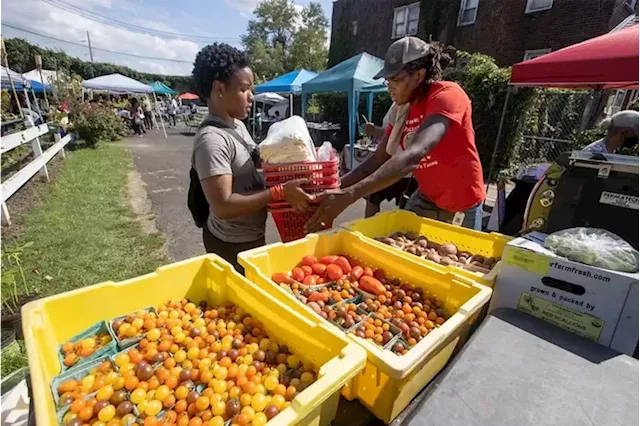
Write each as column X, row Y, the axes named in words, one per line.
column 217, row 61
column 434, row 63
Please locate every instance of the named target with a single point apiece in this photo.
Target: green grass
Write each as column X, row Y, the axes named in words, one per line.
column 84, row 232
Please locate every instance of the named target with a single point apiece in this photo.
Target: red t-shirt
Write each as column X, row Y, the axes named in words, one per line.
column 451, row 174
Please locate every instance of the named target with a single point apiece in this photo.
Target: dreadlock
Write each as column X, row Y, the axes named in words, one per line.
column 438, row 58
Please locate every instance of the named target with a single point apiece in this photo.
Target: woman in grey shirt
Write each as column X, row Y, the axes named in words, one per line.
column 224, row 161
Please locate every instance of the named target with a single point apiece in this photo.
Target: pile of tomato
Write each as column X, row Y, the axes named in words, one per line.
column 198, row 366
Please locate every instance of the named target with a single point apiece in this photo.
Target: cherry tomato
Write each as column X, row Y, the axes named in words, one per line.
column 309, row 260
column 309, row 280
column 319, row 268
column 328, row 260
column 344, row 264
column 307, row 270
column 334, row 272
column 298, row 274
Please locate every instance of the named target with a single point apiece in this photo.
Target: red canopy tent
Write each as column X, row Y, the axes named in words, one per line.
column 188, row 96
column 609, row 61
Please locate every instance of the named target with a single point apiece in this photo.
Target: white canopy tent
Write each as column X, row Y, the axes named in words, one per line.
column 119, row 84
column 116, row 83
column 268, row 98
column 47, row 75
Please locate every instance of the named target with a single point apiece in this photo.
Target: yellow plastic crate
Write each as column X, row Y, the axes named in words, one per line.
column 476, row 242
column 49, row 322
column 389, row 382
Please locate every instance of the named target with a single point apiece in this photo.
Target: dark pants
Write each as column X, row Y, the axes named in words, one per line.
column 148, row 119
column 228, row 251
column 172, row 120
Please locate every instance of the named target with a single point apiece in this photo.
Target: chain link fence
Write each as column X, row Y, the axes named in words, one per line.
column 551, row 125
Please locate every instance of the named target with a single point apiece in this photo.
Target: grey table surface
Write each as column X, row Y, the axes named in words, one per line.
column 518, row 370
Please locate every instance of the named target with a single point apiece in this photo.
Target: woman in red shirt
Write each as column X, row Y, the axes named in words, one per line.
column 431, row 135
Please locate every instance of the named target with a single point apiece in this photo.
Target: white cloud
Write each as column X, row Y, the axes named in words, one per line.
column 246, row 6
column 49, row 20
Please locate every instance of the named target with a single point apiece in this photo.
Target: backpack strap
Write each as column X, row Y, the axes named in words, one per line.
column 217, row 124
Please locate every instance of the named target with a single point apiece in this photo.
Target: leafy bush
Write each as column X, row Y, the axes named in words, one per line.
column 95, row 122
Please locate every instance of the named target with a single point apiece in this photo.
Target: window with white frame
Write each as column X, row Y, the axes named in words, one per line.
column 405, row 20
column 538, row 5
column 530, row 54
column 468, row 12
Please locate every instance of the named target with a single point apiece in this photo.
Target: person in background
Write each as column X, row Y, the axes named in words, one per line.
column 622, row 131
column 431, row 136
column 148, row 115
column 397, row 190
column 193, row 108
column 277, row 115
column 172, row 111
column 224, row 157
column 137, row 117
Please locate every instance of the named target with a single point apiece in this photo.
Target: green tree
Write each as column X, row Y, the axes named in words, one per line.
column 280, row 39
column 309, row 48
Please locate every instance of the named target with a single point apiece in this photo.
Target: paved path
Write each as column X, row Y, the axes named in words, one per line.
column 164, row 165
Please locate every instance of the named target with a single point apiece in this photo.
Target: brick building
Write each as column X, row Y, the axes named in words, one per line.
column 508, row 30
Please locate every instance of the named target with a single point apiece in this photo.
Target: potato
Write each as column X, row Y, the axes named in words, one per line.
column 478, row 258
column 489, row 262
column 433, row 245
column 453, row 257
column 389, row 241
column 434, row 257
column 422, row 242
column 411, row 250
column 447, row 249
column 411, row 236
column 316, row 308
column 446, row 261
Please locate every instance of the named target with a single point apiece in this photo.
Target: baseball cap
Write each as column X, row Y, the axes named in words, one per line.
column 623, row 120
column 400, row 53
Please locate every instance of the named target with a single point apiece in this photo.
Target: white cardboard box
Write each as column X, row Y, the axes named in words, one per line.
column 627, row 336
column 596, row 303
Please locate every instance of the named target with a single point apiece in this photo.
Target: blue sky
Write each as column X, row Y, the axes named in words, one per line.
column 218, row 20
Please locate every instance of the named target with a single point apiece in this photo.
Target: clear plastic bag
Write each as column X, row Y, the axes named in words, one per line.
column 288, row 141
column 596, row 247
column 326, row 152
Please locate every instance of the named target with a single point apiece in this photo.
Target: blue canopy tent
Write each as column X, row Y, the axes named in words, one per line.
column 288, row 83
column 159, row 88
column 9, row 76
column 353, row 76
column 39, row 87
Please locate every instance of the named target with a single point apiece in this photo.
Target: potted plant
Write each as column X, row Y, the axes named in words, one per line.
column 12, row 298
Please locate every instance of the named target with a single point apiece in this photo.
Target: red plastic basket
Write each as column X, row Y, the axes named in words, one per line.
column 279, row 173
column 313, row 185
column 290, row 223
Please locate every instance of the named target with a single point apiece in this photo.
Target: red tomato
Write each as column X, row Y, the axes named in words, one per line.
column 307, row 270
column 356, row 273
column 343, row 263
column 319, row 268
column 320, row 280
column 368, row 271
column 328, row 260
column 309, row 260
column 298, row 274
column 334, row 272
column 309, row 280
column 281, row 278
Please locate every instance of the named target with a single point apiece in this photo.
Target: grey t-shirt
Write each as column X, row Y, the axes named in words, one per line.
column 216, row 153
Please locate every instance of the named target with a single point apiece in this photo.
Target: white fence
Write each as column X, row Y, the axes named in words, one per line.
column 38, row 165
